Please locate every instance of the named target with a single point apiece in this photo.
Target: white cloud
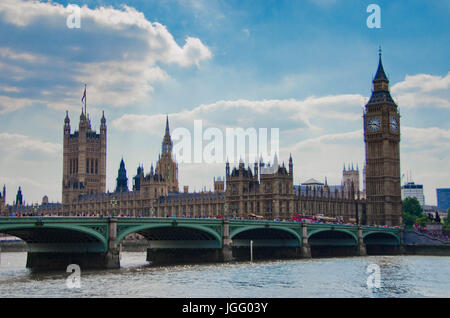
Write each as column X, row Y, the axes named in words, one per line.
column 423, row 83
column 423, row 90
column 13, row 143
column 8, row 104
column 10, row 89
column 13, row 55
column 117, row 52
column 264, row 113
column 33, row 164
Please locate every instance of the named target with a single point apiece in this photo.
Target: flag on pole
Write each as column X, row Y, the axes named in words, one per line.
column 84, row 99
column 84, row 95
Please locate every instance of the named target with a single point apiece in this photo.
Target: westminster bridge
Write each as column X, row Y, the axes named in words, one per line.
column 95, row 242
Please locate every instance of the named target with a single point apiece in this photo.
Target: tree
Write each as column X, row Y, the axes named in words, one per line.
column 447, row 220
column 412, row 206
column 408, row 220
column 412, row 211
column 423, row 221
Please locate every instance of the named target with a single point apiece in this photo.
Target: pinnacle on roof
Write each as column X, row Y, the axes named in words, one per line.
column 380, row 75
column 167, row 125
column 103, row 117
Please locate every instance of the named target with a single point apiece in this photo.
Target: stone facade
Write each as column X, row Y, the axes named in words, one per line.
column 3, row 199
column 266, row 191
column 84, row 160
column 350, row 179
column 382, row 139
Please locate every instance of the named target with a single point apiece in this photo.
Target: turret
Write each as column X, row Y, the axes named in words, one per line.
column 67, row 124
column 291, row 165
column 122, row 179
column 167, row 141
column 241, row 164
column 19, row 198
column 137, row 179
column 380, row 82
column 84, row 123
column 103, row 124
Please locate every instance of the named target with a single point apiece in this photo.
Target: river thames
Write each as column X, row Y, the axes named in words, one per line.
column 400, row 276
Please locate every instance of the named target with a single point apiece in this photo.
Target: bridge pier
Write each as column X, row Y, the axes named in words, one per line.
column 43, row 261
column 361, row 248
column 172, row 256
column 306, row 249
column 112, row 260
column 226, row 253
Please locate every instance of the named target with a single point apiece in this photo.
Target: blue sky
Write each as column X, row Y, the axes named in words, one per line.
column 302, row 66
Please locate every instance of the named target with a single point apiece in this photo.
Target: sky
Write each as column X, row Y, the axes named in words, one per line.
column 304, row 67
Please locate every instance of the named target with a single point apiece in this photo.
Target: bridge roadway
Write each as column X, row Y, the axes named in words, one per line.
column 94, row 242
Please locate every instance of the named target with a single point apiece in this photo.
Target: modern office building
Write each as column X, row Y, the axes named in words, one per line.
column 412, row 190
column 443, row 199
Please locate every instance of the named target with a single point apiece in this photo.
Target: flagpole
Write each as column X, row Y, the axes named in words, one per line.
column 85, row 97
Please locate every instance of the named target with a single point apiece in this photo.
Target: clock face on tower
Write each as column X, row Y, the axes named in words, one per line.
column 374, row 124
column 393, row 123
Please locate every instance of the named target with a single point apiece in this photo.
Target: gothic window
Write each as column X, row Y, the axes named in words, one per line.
column 280, row 190
column 269, row 206
column 92, row 166
column 87, row 165
column 96, row 166
column 70, row 169
column 234, row 208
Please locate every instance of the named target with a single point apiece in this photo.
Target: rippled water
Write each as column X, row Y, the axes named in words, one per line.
column 401, row 276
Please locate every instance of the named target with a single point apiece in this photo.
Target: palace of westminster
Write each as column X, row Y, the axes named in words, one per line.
column 265, row 191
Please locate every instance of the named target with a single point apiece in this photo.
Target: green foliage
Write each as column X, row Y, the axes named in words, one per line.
column 423, row 221
column 408, row 220
column 447, row 222
column 412, row 212
column 412, row 206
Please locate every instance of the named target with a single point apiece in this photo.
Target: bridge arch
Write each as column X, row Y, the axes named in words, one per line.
column 60, row 233
column 328, row 242
column 273, row 232
column 327, row 232
column 183, row 231
column 381, row 238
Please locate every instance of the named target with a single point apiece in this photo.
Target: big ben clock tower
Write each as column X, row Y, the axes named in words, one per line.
column 382, row 139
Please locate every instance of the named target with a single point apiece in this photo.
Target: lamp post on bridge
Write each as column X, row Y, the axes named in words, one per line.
column 113, row 204
column 225, row 211
column 152, row 211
